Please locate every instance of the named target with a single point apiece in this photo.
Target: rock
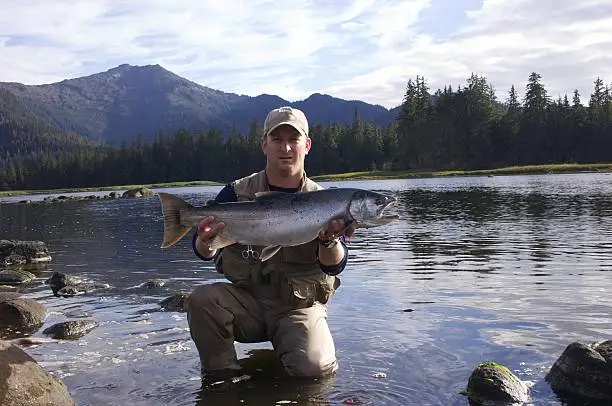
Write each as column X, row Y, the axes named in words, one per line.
column 20, row 316
column 24, row 382
column 58, row 280
column 71, row 329
column 494, row 384
column 583, row 370
column 81, row 289
column 154, row 283
column 64, row 285
column 15, row 277
column 175, row 303
column 23, row 252
column 138, row 192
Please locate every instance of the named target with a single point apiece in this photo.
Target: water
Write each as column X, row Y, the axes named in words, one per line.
column 510, row 269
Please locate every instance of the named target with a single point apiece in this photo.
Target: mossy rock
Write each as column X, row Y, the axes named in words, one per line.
column 494, row 384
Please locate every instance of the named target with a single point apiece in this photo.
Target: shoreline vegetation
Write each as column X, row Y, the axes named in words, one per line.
column 363, row 175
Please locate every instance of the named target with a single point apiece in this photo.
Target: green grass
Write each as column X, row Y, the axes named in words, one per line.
column 109, row 188
column 511, row 170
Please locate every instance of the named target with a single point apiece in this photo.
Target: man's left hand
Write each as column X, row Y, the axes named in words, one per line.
column 335, row 229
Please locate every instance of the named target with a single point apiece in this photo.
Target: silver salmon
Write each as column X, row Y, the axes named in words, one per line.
column 276, row 219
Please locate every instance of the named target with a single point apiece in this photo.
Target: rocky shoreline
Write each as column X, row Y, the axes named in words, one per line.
column 128, row 194
column 22, row 380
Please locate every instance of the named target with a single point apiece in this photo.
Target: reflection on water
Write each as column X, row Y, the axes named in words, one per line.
column 510, row 269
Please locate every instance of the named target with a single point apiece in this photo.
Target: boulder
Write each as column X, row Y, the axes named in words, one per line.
column 494, row 384
column 24, row 382
column 583, row 370
column 19, row 316
column 23, row 252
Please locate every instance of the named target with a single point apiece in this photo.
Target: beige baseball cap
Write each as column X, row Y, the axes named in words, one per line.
column 286, row 115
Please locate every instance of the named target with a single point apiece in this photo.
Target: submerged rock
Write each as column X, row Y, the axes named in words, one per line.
column 20, row 317
column 24, row 382
column 71, row 329
column 494, row 384
column 175, row 303
column 583, row 370
column 23, row 252
column 154, row 283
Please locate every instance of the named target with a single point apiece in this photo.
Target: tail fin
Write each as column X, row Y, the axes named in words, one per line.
column 171, row 209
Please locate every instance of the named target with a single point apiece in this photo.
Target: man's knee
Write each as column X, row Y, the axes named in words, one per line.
column 309, row 364
column 204, row 297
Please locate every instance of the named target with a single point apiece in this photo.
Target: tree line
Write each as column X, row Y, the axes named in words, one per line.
column 451, row 129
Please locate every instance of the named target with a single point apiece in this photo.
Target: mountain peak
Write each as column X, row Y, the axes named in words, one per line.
column 120, row 103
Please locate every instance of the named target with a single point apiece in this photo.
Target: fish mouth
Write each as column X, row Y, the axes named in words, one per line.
column 389, row 201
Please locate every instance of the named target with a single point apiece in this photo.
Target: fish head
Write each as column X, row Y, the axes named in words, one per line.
column 366, row 208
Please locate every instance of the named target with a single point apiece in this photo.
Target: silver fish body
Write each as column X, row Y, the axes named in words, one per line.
column 276, row 219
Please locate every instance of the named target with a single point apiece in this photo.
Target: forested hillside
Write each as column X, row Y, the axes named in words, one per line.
column 465, row 128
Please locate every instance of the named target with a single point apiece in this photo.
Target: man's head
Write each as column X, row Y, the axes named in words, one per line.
column 286, row 142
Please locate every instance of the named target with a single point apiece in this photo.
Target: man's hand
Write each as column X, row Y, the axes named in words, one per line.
column 207, row 229
column 335, row 229
column 332, row 254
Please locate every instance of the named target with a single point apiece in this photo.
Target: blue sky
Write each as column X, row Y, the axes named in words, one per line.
column 364, row 50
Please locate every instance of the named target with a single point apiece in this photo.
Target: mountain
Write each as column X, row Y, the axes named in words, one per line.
column 23, row 133
column 125, row 101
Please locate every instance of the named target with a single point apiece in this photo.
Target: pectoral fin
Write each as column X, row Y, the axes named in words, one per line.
column 269, row 251
column 220, row 241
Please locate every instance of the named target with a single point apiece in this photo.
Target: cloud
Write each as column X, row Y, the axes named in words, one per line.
column 363, row 50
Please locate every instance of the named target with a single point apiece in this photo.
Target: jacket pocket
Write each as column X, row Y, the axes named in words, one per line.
column 303, row 290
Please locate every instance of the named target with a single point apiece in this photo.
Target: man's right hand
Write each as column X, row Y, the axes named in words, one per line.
column 207, row 229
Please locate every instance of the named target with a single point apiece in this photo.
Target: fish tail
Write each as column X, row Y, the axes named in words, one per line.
column 171, row 209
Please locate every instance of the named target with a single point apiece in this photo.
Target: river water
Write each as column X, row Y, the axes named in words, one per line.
column 510, row 269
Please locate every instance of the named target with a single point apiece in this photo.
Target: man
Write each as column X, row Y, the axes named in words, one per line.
column 282, row 300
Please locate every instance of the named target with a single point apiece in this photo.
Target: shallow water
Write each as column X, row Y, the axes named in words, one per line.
column 510, row 269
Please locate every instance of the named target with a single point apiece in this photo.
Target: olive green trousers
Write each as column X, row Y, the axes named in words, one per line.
column 221, row 313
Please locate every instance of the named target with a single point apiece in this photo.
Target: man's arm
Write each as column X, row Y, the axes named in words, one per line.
column 333, row 260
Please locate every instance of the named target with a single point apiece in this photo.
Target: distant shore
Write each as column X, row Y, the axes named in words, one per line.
column 109, row 188
column 511, row 170
column 365, row 175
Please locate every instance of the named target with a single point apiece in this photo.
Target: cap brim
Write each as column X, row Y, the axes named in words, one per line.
column 286, row 123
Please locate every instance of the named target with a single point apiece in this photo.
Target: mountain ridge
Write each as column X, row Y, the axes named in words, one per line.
column 121, row 103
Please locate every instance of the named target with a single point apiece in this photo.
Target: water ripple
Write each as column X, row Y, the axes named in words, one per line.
column 510, row 269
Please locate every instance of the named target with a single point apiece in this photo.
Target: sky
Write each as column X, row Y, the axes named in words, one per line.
column 358, row 50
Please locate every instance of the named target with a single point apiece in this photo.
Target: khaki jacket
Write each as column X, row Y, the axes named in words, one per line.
column 293, row 276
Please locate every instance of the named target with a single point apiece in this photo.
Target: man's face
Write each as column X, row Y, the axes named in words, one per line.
column 286, row 149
